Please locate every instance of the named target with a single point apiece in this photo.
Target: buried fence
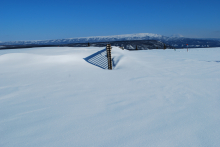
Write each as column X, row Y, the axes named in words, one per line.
column 102, row 58
column 98, row 59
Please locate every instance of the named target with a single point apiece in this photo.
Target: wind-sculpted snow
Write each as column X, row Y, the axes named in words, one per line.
column 58, row 97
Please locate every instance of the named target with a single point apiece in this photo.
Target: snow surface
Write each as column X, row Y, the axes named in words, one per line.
column 63, row 96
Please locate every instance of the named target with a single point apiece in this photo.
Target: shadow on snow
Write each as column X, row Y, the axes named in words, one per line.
column 98, row 59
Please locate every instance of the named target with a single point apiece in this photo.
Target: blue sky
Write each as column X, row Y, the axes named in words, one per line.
column 56, row 19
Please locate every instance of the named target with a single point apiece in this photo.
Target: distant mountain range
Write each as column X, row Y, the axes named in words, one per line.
column 141, row 36
column 127, row 44
column 176, row 41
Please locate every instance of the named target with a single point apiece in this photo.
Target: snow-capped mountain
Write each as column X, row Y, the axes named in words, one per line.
column 175, row 41
column 140, row 36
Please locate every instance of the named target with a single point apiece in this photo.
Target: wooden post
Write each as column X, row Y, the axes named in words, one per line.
column 108, row 49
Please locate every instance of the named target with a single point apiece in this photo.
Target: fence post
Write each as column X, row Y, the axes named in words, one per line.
column 108, row 49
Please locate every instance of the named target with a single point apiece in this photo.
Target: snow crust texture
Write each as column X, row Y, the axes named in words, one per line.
column 58, row 96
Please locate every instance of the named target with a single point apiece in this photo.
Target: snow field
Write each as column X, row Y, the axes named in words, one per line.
column 54, row 97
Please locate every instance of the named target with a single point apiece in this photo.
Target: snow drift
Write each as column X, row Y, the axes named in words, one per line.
column 55, row 97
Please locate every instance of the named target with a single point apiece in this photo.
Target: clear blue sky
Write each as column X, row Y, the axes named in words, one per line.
column 59, row 19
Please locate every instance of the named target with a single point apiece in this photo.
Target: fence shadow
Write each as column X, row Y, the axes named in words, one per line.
column 98, row 59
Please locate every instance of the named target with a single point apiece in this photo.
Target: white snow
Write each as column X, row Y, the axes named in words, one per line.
column 53, row 97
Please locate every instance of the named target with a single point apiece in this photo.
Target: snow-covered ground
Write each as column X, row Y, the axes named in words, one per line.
column 63, row 96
